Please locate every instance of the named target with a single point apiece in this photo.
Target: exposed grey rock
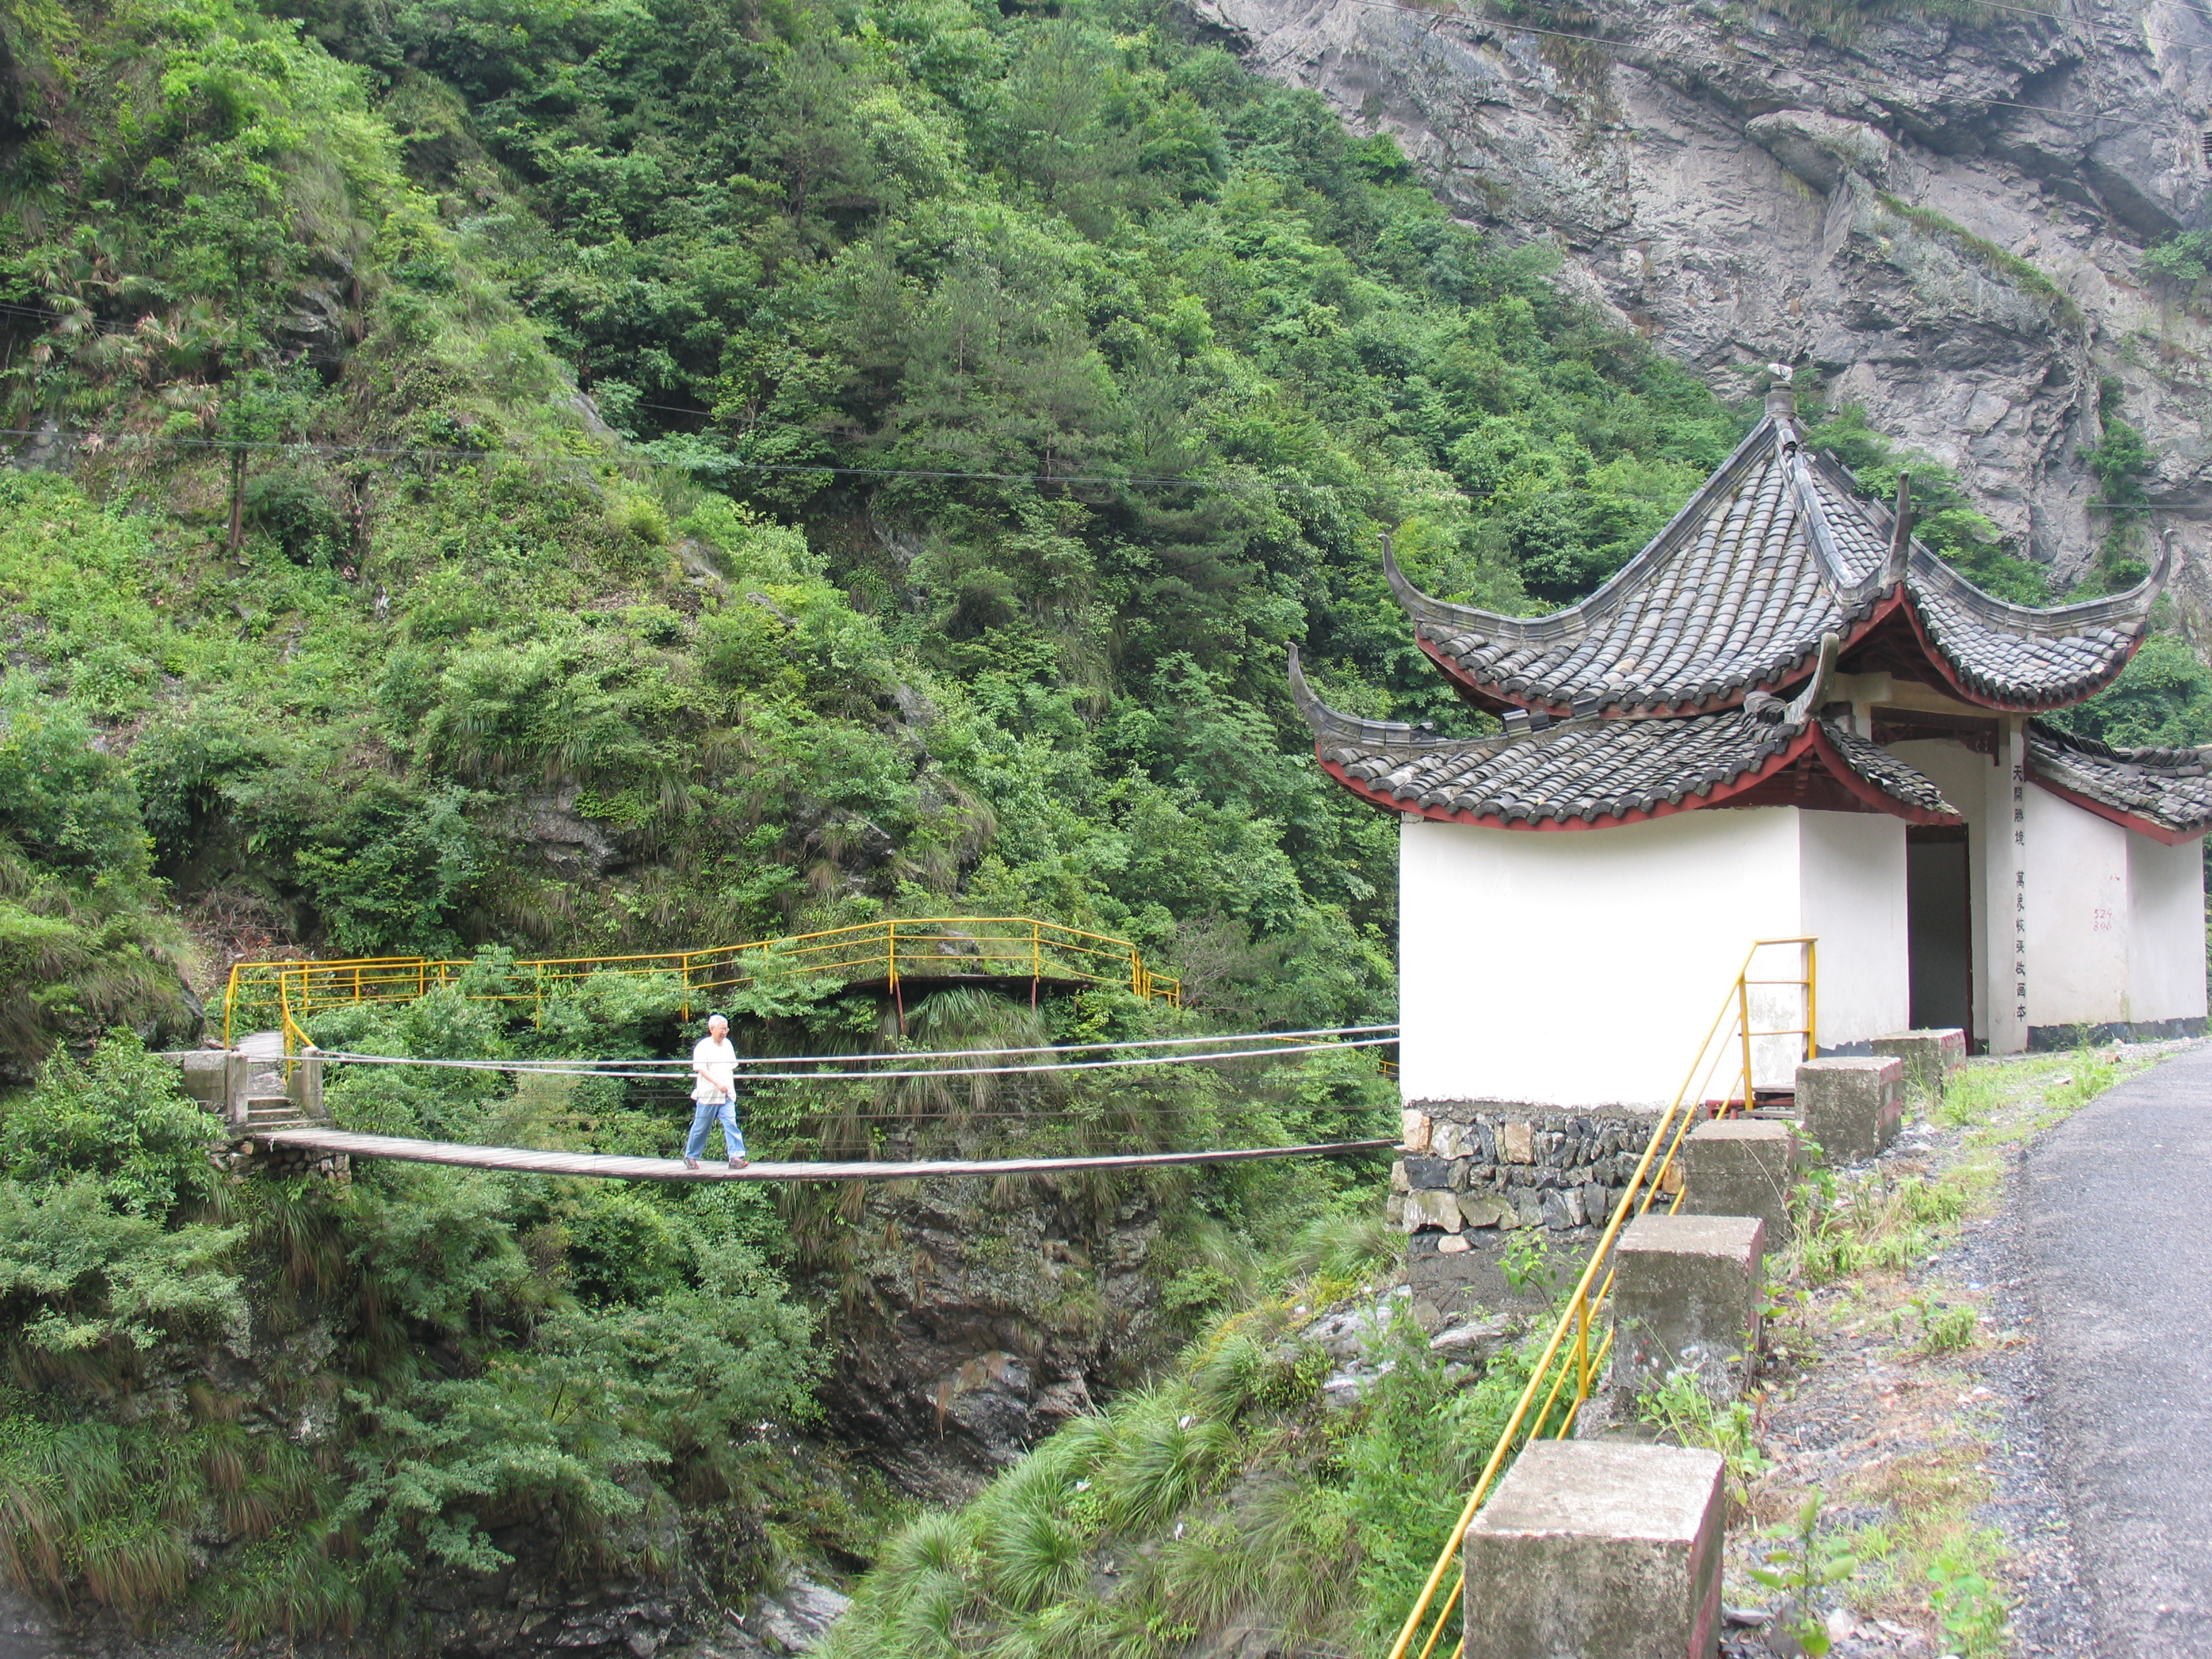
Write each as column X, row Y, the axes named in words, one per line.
column 1740, row 191
column 1432, row 1208
column 1477, row 1342
column 794, row 1621
column 1346, row 1387
column 1487, row 1210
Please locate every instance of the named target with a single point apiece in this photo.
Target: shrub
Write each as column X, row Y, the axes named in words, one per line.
column 118, row 1116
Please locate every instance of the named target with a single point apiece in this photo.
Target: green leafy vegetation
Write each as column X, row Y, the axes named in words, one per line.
column 517, row 479
column 2181, row 262
column 619, row 477
column 1230, row 1492
column 475, row 1366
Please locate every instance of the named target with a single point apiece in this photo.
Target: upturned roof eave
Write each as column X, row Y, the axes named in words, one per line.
column 2072, row 779
column 1911, row 577
column 1492, row 694
column 1802, row 735
column 1812, row 741
column 2120, row 815
column 1422, row 608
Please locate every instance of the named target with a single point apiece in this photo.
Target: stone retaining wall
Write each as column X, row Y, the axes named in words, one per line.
column 248, row 1156
column 1467, row 1166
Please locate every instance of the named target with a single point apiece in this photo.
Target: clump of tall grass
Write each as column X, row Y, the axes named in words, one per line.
column 1227, row 1494
column 93, row 1514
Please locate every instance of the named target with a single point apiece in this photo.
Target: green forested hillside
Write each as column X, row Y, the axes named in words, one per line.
column 532, row 475
column 848, row 459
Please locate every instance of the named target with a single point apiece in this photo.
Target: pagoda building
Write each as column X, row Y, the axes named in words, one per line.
column 1785, row 716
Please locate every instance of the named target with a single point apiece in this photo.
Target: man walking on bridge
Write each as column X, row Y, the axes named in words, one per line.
column 714, row 1093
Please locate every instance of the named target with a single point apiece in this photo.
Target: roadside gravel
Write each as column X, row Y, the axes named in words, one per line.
column 1931, row 1458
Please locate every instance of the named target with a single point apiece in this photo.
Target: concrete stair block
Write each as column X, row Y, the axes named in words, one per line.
column 1851, row 1105
column 1742, row 1166
column 1686, row 1294
column 1929, row 1056
column 1595, row 1549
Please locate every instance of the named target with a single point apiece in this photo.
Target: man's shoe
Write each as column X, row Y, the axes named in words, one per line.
column 690, row 1163
column 739, row 1162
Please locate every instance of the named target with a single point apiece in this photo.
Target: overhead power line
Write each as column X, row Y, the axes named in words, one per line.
column 99, row 441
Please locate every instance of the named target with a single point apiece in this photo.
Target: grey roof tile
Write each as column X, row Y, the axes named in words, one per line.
column 1593, row 768
column 1777, row 548
column 2168, row 788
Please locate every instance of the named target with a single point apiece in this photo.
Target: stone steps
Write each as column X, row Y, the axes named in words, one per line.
column 267, row 1111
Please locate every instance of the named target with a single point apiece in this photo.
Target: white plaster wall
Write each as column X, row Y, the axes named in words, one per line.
column 1851, row 876
column 1581, row 968
column 2078, row 915
column 2165, row 929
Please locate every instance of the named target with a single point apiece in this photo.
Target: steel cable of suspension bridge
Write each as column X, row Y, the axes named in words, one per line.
column 620, row 1167
column 599, row 1068
column 911, row 1056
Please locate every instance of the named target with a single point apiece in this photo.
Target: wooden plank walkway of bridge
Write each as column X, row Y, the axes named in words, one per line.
column 608, row 1166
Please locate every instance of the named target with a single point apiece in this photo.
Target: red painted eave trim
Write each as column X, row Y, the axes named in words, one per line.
column 1965, row 693
column 2120, row 816
column 1488, row 694
column 1810, row 739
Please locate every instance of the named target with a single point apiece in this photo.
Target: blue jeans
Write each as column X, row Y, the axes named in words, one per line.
column 702, row 1119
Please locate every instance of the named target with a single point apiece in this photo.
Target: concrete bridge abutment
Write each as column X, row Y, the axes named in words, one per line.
column 1929, row 1057
column 1687, row 1292
column 1742, row 1166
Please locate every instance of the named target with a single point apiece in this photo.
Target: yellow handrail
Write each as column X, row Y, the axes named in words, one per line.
column 1583, row 1308
column 909, row 947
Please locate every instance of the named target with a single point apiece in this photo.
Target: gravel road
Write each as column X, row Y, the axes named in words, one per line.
column 2118, row 1266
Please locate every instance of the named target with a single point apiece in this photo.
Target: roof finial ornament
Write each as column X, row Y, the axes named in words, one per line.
column 1781, row 399
column 1806, row 701
column 1900, row 532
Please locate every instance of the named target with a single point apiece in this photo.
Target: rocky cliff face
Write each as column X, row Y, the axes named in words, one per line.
column 1943, row 220
column 974, row 1321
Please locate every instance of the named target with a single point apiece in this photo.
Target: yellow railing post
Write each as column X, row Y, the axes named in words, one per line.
column 1743, row 1014
column 890, row 955
column 1812, row 998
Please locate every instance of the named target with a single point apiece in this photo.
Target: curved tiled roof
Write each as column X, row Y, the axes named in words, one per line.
column 1777, row 548
column 1590, row 770
column 2164, row 792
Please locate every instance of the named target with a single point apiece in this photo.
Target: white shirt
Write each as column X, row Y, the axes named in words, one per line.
column 719, row 1061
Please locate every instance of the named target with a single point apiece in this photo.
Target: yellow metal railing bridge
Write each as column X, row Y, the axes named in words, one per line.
column 999, row 950
column 1574, row 1359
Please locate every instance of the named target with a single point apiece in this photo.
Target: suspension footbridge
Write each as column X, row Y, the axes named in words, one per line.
column 611, row 1167
column 264, row 1098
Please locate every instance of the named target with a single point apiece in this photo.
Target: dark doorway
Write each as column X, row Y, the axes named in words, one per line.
column 1939, row 926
